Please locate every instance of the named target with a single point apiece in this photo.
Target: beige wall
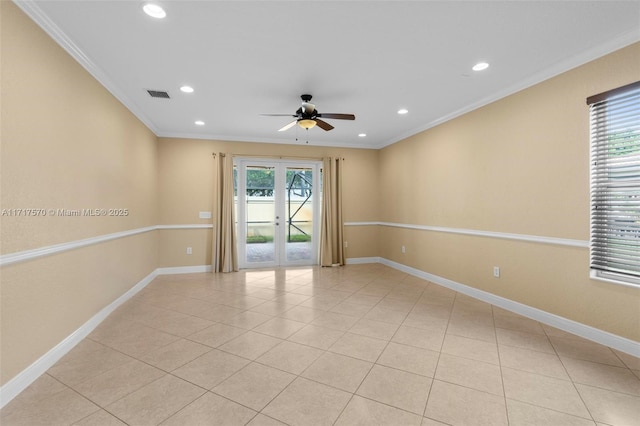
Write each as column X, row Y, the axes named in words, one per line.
column 185, row 170
column 519, row 165
column 66, row 144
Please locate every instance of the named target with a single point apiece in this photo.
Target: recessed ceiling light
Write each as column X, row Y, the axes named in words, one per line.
column 154, row 10
column 480, row 66
column 362, row 135
column 187, row 89
column 403, row 111
column 199, row 123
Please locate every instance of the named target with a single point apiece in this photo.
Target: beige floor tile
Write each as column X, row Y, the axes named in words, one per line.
column 428, row 312
column 457, row 405
column 630, row 361
column 472, row 331
column 521, row 414
column 409, row 358
column 279, row 327
column 350, row 308
column 211, row 408
column 534, row 342
column 585, row 350
column 420, row 337
column 272, row 307
column 374, row 325
column 135, row 339
column 216, row 335
column 183, row 326
column 100, row 418
column 250, row 345
column 335, row 320
column 217, row 313
column 301, row 314
column 211, row 368
column 365, row 412
column 401, row 305
column 291, row 357
column 262, row 420
column 604, row 376
column 64, row 407
column 175, row 354
column 532, row 361
column 265, row 294
column 517, row 323
column 376, row 329
column 470, row 373
column 398, row 388
column 470, row 348
column 254, row 386
column 543, row 391
column 363, row 299
column 339, row 371
column 386, row 315
column 361, row 347
column 42, row 388
column 430, row 422
column 305, row 402
column 292, row 298
column 88, row 359
column 321, row 303
column 155, row 402
column 248, row 320
column 376, row 291
column 318, row 337
column 118, row 382
column 609, row 407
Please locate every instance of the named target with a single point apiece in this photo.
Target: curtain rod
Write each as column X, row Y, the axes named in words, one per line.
column 280, row 157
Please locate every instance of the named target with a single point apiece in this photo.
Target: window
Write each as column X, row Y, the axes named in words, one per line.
column 615, row 185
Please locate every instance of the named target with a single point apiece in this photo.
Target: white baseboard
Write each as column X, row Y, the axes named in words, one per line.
column 184, row 270
column 599, row 336
column 362, row 260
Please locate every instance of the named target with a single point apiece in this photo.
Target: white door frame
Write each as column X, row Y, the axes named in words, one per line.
column 280, row 165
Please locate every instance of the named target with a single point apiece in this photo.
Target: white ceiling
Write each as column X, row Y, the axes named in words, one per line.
column 369, row 58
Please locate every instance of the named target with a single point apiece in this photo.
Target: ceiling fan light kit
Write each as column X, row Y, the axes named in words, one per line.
column 307, row 116
column 306, row 123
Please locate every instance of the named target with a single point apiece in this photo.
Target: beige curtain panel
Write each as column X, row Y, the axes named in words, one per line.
column 331, row 234
column 224, row 253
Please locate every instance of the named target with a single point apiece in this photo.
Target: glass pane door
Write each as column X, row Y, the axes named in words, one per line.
column 299, row 206
column 276, row 211
column 259, row 215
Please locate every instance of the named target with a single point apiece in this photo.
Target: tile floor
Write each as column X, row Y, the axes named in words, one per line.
column 358, row 345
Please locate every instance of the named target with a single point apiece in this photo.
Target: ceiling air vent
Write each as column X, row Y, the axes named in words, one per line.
column 158, row 94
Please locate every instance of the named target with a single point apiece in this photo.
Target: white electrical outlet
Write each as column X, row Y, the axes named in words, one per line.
column 346, row 244
column 189, row 250
column 403, row 249
column 496, row 271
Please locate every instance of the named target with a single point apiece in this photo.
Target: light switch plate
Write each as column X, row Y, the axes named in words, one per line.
column 205, row 215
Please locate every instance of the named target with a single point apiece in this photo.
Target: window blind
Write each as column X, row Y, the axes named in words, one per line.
column 615, row 184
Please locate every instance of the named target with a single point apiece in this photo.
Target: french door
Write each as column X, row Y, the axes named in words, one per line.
column 277, row 212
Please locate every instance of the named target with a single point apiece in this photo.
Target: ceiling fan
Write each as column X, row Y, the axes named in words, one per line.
column 307, row 116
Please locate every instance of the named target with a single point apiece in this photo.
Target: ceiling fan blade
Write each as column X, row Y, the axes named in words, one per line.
column 288, row 126
column 323, row 125
column 337, row 116
column 278, row 115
